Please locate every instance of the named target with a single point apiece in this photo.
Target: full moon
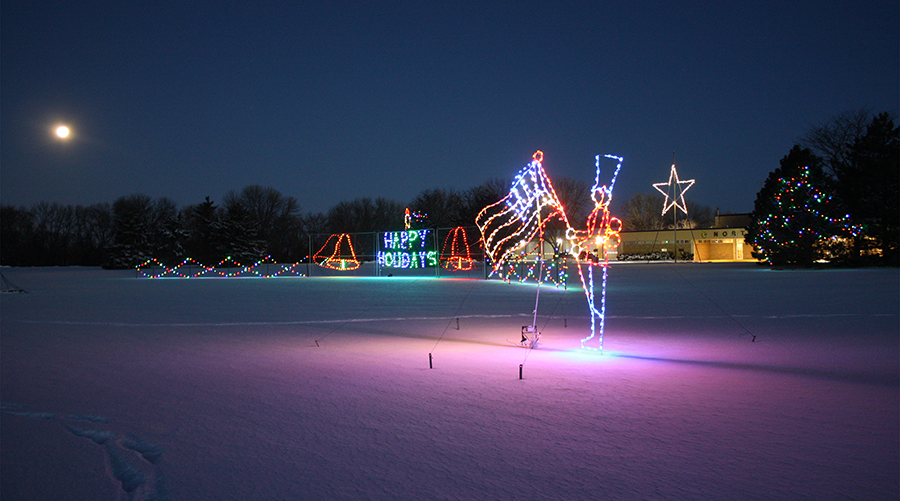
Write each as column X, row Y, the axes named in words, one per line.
column 62, row 131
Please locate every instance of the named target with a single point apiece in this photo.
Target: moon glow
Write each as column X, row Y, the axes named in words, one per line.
column 62, row 131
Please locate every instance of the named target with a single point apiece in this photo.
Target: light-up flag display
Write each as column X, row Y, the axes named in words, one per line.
column 509, row 225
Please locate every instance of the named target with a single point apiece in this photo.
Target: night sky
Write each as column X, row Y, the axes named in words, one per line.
column 330, row 101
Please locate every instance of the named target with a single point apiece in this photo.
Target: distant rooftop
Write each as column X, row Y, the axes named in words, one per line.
column 732, row 221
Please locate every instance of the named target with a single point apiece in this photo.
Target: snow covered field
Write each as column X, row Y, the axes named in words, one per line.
column 719, row 381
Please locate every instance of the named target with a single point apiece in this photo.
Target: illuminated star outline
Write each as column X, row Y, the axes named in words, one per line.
column 679, row 191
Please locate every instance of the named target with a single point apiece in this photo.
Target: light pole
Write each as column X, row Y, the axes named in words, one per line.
column 675, row 189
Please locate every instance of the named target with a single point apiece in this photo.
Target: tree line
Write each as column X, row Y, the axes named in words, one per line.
column 256, row 222
column 245, row 225
column 853, row 158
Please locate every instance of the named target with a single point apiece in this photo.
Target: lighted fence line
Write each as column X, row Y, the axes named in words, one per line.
column 522, row 270
column 215, row 271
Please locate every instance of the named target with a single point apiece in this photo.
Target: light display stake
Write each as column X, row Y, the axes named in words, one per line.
column 460, row 257
column 509, row 225
column 341, row 258
column 406, row 249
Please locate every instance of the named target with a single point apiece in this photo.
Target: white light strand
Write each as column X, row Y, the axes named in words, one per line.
column 678, row 194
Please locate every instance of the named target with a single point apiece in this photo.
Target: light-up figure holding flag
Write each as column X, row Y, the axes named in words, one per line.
column 508, row 225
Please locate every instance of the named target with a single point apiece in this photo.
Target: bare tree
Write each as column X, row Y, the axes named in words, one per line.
column 698, row 216
column 833, row 139
column 267, row 216
column 643, row 211
column 444, row 206
column 93, row 234
column 314, row 223
column 16, row 236
column 366, row 215
column 481, row 196
column 575, row 196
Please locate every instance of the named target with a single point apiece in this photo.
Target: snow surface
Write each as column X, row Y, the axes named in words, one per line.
column 719, row 381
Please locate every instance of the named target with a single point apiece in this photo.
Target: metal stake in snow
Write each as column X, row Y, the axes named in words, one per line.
column 535, row 335
column 456, row 315
column 540, row 277
column 537, row 297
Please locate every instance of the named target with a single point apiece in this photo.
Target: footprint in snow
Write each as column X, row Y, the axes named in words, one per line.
column 132, row 462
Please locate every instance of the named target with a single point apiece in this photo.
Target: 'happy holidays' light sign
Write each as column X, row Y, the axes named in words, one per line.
column 407, row 249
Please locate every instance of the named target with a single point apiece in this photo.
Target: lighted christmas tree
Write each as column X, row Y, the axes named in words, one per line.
column 795, row 220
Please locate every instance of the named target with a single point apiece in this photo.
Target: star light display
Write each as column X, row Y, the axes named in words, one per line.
column 342, row 257
column 190, row 268
column 510, row 224
column 674, row 191
column 459, row 257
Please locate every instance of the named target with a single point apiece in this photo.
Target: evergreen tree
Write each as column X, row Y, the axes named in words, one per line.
column 131, row 243
column 16, row 236
column 200, row 223
column 795, row 219
column 166, row 231
column 869, row 183
column 236, row 236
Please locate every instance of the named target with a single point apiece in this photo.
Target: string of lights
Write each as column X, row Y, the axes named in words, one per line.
column 412, row 216
column 802, row 215
column 341, row 258
column 459, row 257
column 674, row 191
column 510, row 224
column 525, row 267
column 226, row 268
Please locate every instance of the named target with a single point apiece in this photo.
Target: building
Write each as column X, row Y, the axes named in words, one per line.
column 723, row 242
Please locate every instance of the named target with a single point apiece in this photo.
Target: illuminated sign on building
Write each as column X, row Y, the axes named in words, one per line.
column 738, row 233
